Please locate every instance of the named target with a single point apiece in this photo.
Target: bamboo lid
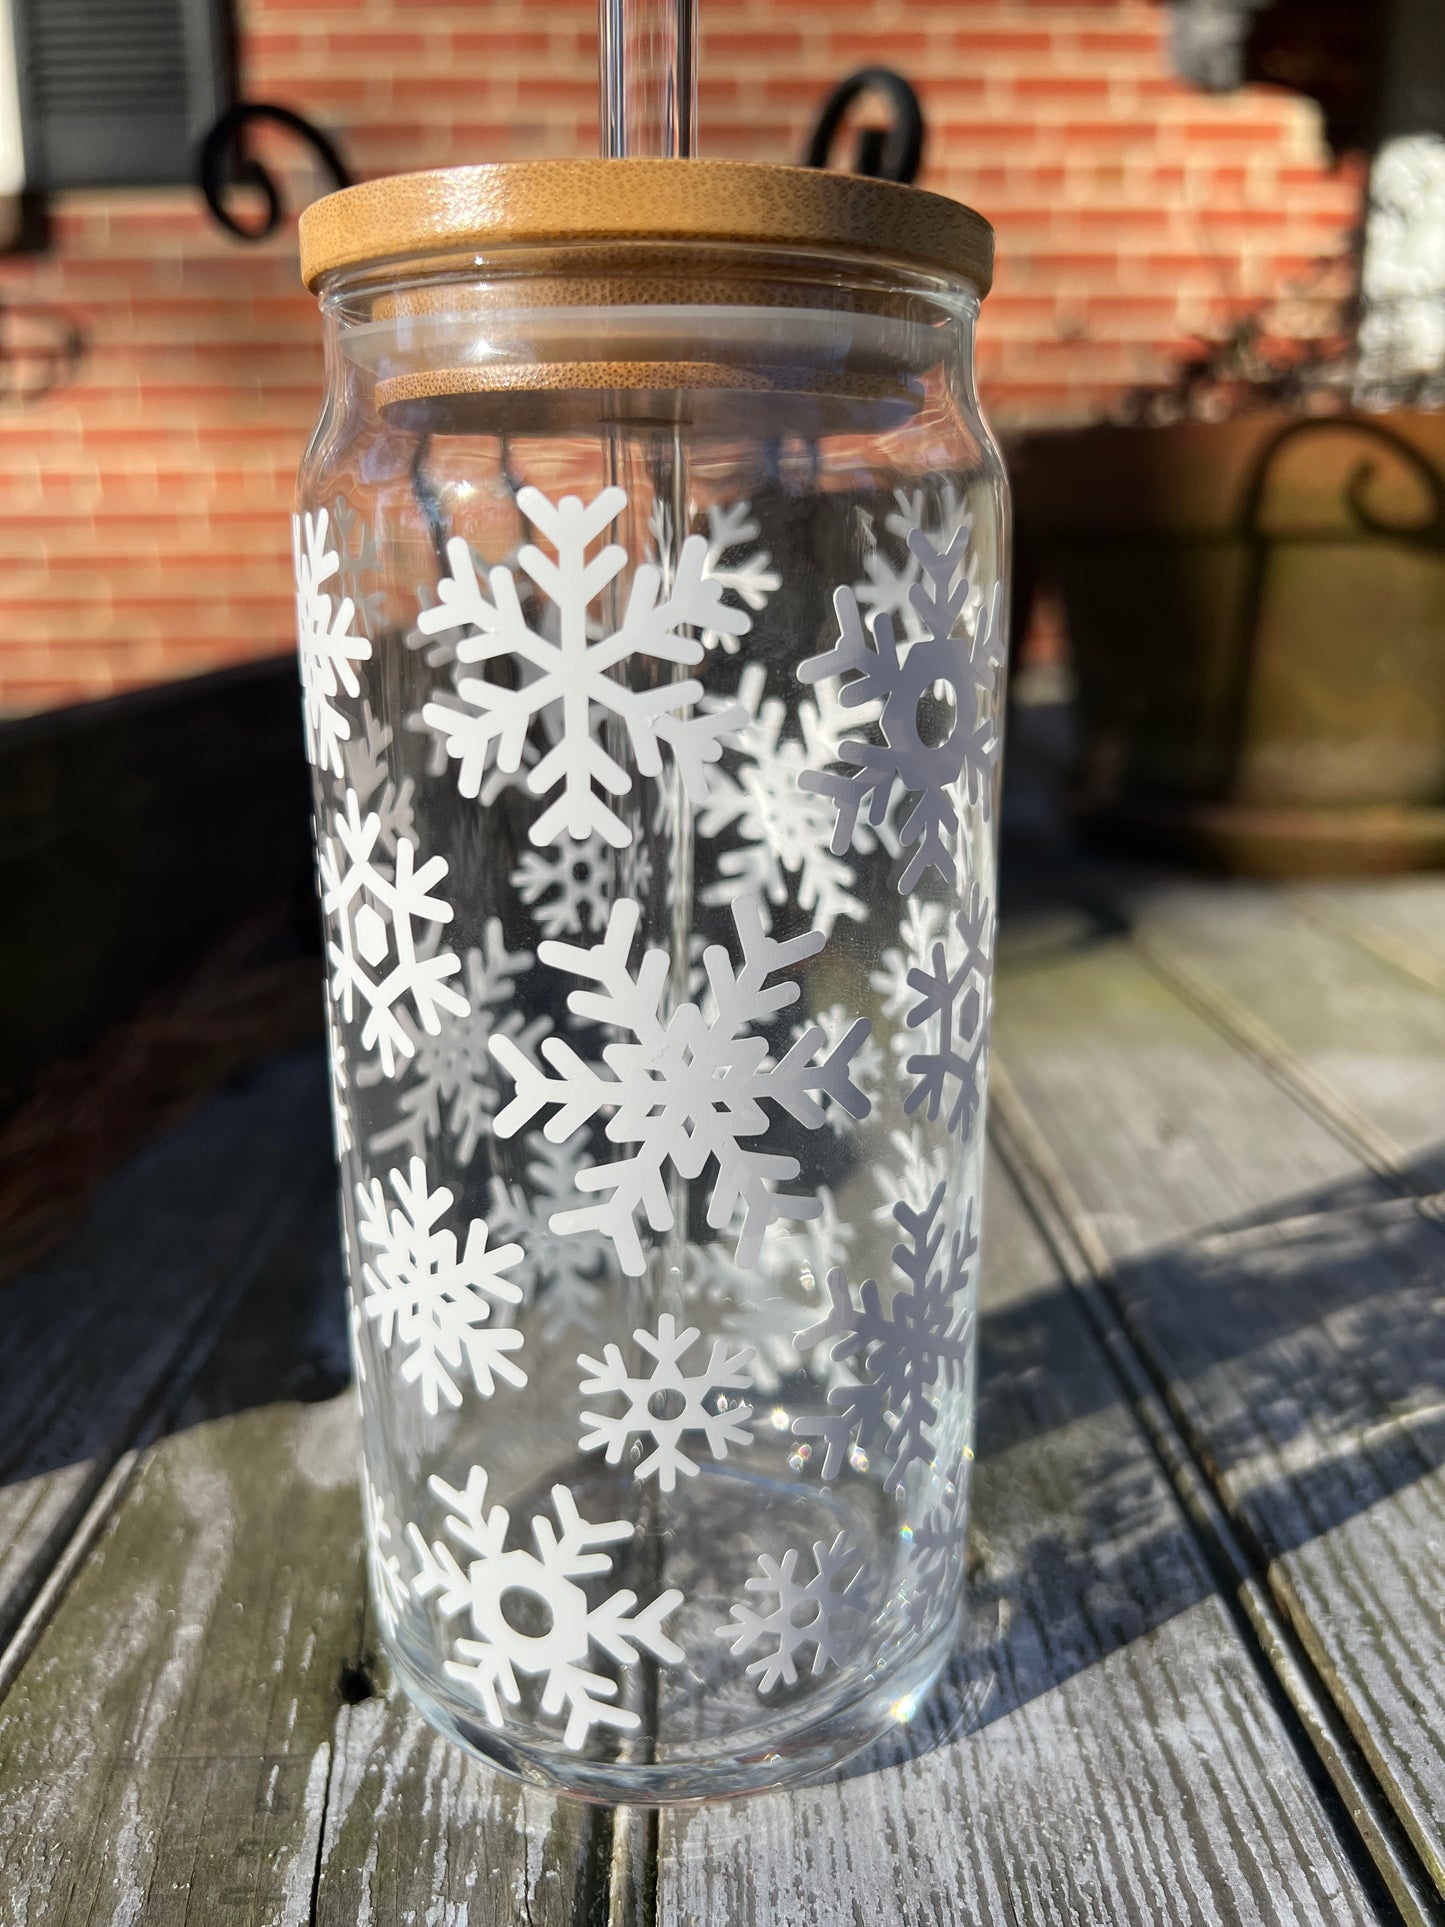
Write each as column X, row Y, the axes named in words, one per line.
column 696, row 201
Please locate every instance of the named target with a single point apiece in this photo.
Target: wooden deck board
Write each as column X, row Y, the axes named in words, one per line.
column 95, row 1336
column 170, row 1749
column 1103, row 1749
column 1305, row 1357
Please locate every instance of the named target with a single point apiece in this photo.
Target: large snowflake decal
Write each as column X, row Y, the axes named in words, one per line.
column 867, row 1067
column 559, row 1273
column 689, row 1088
column 569, row 683
column 452, row 1086
column 952, row 1012
column 389, row 1589
column 691, row 1402
column 785, row 826
column 902, row 1354
column 887, row 586
column 375, row 953
column 941, row 688
column 328, row 652
column 434, row 1305
column 804, row 1613
column 546, row 1583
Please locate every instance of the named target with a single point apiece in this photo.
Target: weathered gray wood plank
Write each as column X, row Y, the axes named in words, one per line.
column 1401, row 920
column 94, row 1336
column 170, row 1747
column 1306, row 1359
column 1355, row 1025
column 1103, row 1748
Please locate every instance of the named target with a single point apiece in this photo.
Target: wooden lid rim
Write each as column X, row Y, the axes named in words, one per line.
column 517, row 203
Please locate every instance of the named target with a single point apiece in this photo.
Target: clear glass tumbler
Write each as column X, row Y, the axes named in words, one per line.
column 651, row 555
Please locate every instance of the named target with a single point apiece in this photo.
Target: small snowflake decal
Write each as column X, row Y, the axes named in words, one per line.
column 952, row 1011
column 719, row 1423
column 731, row 527
column 785, row 828
column 568, row 888
column 328, row 651
column 939, row 774
column 489, row 1664
column 389, row 1589
column 559, row 1273
column 342, row 1128
column 375, row 953
column 452, row 1088
column 690, row 1088
column 900, row 1355
column 888, row 590
column 571, row 681
column 804, row 1613
column 435, row 1306
column 367, row 771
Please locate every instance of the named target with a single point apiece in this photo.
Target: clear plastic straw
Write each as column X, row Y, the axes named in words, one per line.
column 647, row 73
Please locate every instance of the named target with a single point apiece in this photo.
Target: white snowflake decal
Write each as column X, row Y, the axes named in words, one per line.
column 571, row 681
column 389, row 1589
column 887, row 589
column 375, row 954
column 900, row 1355
column 489, row 1664
column 342, row 1128
column 939, row 774
column 784, row 826
column 924, row 922
column 560, row 1274
column 805, row 1613
column 328, row 651
column 452, row 1086
column 867, row 1066
column 688, row 1089
column 568, row 888
column 914, row 1176
column 731, row 527
column 436, row 1306
column 367, row 771
column 952, row 1011
column 688, row 1393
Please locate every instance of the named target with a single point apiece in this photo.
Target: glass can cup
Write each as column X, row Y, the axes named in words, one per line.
column 651, row 574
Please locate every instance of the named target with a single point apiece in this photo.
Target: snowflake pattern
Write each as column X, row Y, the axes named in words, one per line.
column 952, row 1011
column 730, row 560
column 327, row 650
column 887, row 587
column 571, row 681
column 785, row 827
column 389, row 1589
column 436, row 1307
column 451, row 1088
column 690, row 1088
column 568, row 888
column 561, row 1274
column 924, row 923
column 343, row 1130
column 700, row 1401
column 374, row 916
column 804, row 1613
column 936, row 774
column 913, row 1176
column 900, row 1355
column 488, row 1665
column 366, row 770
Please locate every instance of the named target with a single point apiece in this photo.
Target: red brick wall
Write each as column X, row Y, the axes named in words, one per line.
column 143, row 508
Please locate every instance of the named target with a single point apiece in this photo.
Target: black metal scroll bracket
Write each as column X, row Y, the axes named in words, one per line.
column 223, row 165
column 894, row 153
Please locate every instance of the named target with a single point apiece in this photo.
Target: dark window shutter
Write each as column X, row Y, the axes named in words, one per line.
column 119, row 93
